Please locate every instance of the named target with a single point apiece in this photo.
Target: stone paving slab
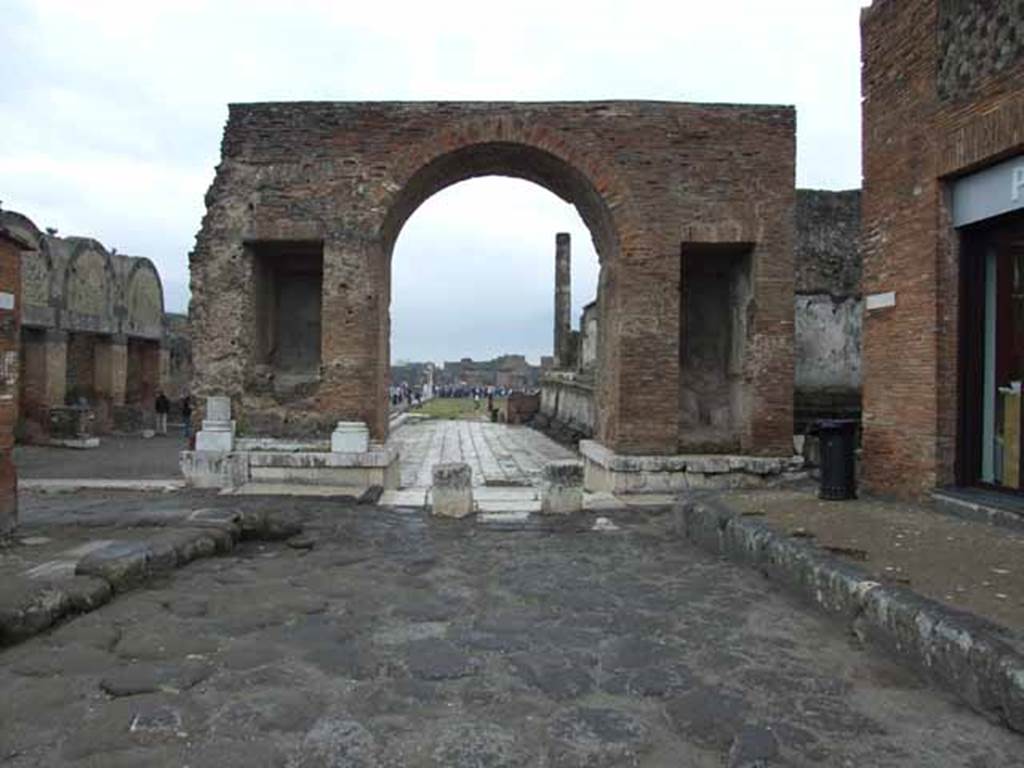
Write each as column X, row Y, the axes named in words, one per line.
column 498, row 454
column 398, row 640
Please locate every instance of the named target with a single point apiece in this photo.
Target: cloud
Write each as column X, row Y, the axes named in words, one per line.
column 111, row 112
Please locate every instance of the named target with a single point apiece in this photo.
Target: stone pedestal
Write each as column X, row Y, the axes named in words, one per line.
column 452, row 492
column 218, row 431
column 350, row 437
column 562, row 491
column 71, row 426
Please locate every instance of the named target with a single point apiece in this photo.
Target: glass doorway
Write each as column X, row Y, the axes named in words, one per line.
column 992, row 354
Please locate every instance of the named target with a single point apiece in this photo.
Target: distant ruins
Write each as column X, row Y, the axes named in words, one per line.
column 93, row 336
column 690, row 207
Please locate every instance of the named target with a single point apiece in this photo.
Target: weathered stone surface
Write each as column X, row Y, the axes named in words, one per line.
column 150, row 678
column 226, row 519
column 435, row 659
column 559, row 677
column 709, row 716
column 269, row 710
column 478, row 745
column 591, row 736
column 123, row 564
column 336, row 741
column 753, row 747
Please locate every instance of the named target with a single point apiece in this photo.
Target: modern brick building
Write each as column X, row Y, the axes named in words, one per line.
column 943, row 244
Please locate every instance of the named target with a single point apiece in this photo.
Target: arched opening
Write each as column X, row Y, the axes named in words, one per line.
column 473, row 273
column 505, row 159
column 582, row 210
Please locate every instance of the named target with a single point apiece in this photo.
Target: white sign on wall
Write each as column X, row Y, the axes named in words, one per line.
column 988, row 193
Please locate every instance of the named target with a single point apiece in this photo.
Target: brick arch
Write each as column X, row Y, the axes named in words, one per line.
column 504, row 146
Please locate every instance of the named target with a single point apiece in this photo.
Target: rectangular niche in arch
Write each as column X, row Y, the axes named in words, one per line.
column 714, row 315
column 288, row 288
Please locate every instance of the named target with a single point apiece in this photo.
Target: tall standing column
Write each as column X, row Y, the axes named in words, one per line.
column 563, row 300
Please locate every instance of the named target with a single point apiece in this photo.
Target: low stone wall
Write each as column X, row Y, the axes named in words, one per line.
column 567, row 410
column 606, row 471
column 232, row 469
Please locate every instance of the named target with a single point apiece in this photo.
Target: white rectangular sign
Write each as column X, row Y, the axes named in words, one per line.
column 880, row 301
column 990, row 192
column 6, row 300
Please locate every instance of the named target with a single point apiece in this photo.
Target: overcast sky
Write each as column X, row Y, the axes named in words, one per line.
column 111, row 116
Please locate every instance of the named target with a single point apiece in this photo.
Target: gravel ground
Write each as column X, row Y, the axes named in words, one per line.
column 397, row 640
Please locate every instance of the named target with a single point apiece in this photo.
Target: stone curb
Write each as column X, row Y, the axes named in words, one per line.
column 979, row 661
column 73, row 485
column 30, row 606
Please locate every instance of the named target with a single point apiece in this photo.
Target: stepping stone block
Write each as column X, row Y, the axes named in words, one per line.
column 452, row 491
column 562, row 488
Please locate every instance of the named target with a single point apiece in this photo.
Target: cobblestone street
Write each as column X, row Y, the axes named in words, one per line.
column 398, row 640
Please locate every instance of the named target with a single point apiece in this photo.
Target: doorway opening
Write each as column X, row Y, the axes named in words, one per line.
column 992, row 354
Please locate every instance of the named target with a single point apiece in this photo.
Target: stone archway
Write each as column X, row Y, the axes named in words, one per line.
column 309, row 199
column 475, row 155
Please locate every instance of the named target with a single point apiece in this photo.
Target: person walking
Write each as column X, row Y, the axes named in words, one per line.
column 162, row 407
column 186, row 414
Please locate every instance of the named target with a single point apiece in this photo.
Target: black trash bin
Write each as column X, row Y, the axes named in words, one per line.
column 838, row 464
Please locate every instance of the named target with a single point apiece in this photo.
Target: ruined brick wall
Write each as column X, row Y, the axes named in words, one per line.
column 917, row 135
column 10, row 301
column 828, row 242
column 977, row 41
column 829, row 308
column 646, row 177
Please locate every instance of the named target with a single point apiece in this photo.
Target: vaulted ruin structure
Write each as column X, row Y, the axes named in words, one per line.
column 690, row 207
column 92, row 334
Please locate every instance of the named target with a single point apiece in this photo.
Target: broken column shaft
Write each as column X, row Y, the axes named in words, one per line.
column 563, row 300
